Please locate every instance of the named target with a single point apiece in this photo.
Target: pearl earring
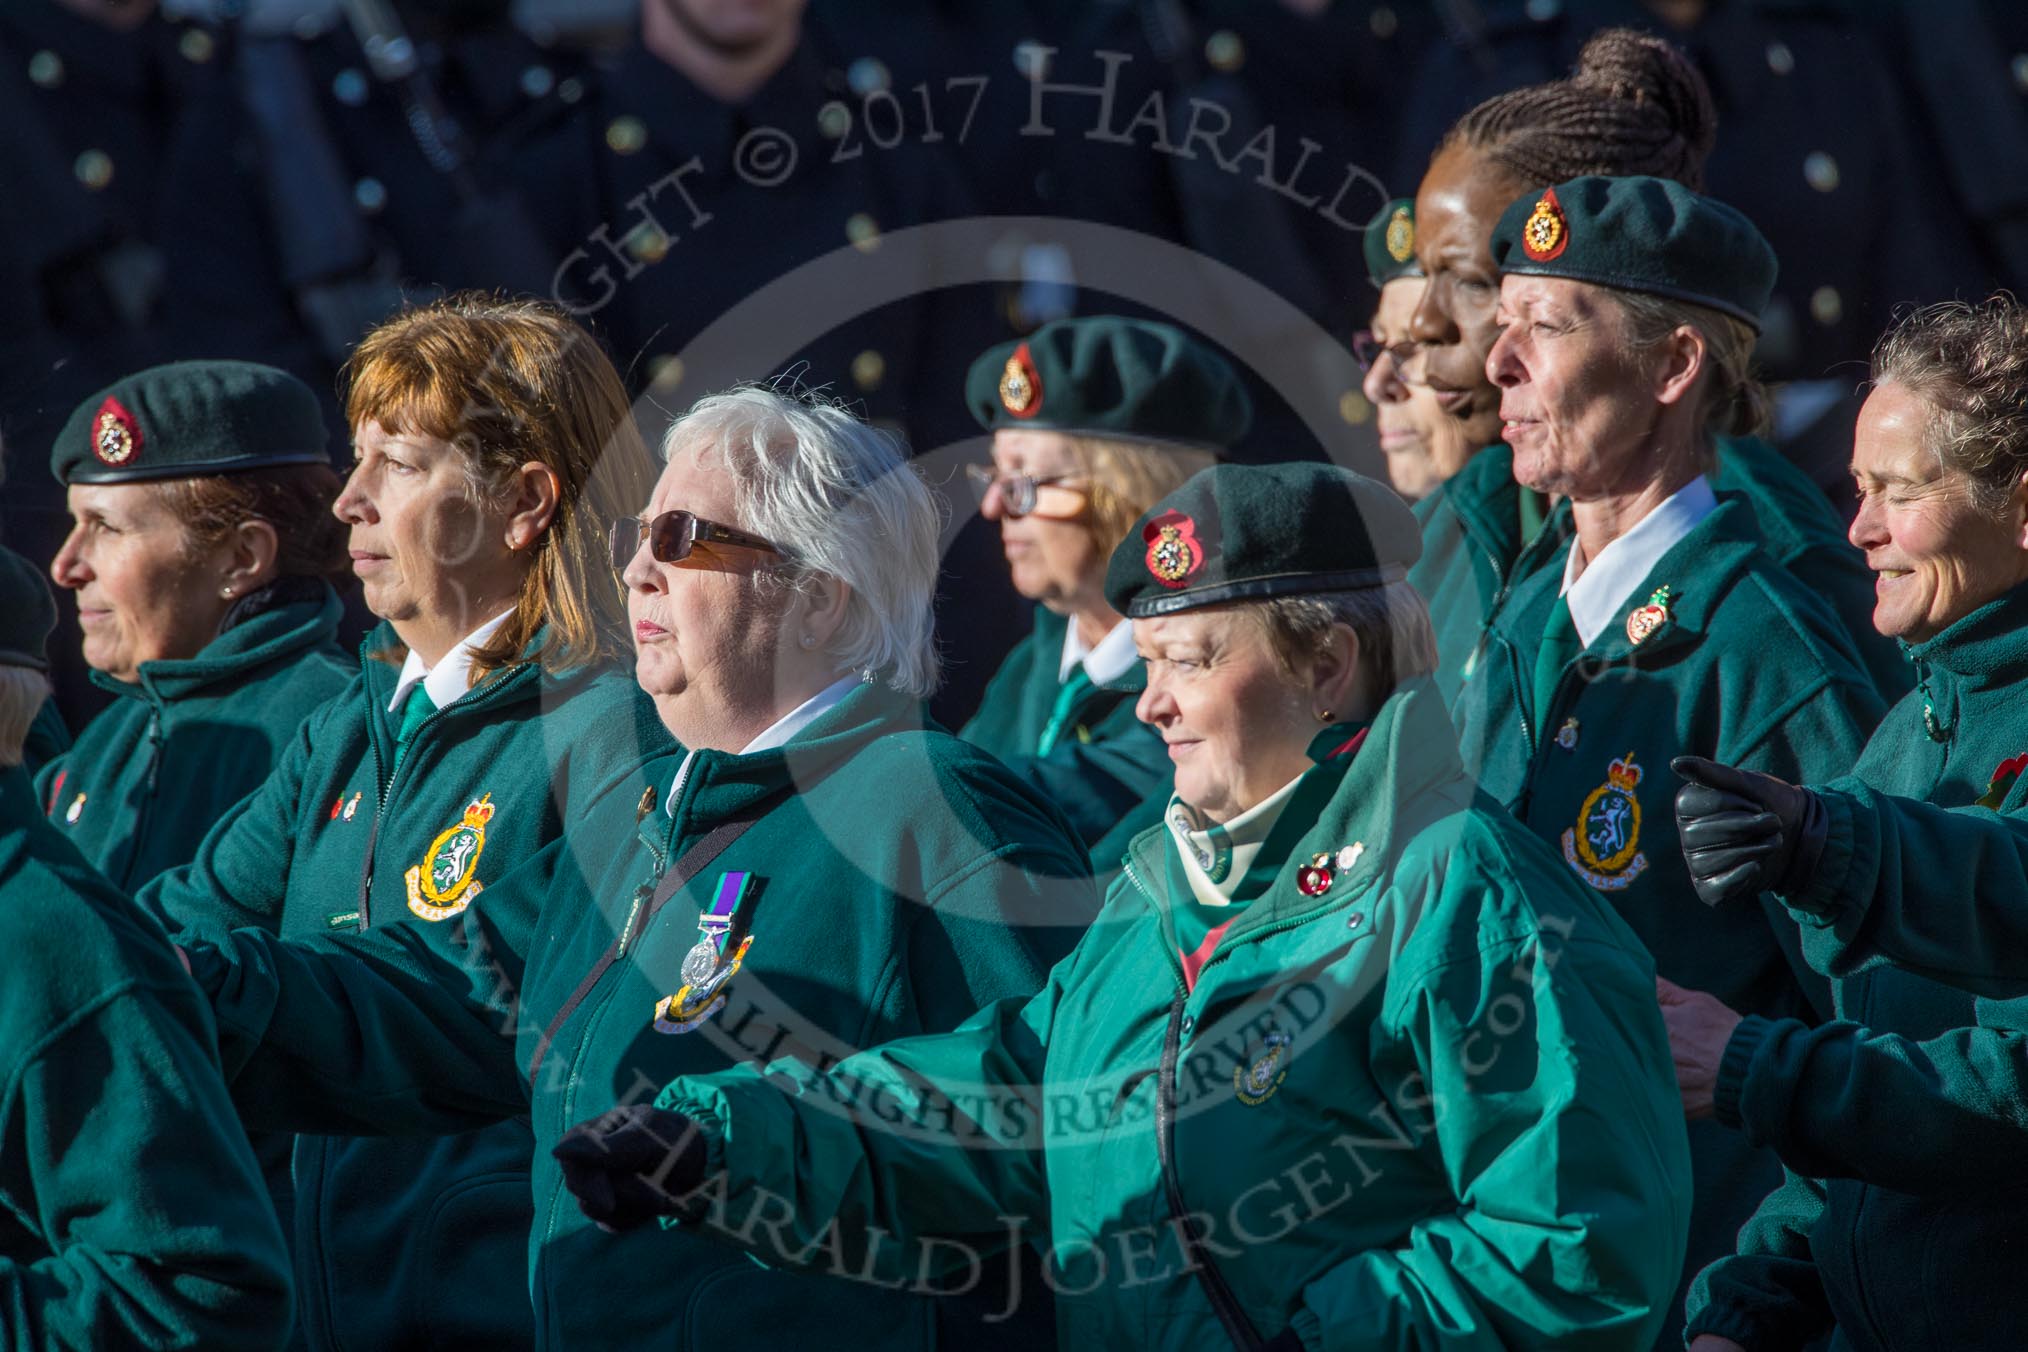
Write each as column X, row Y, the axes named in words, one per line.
column 225, row 592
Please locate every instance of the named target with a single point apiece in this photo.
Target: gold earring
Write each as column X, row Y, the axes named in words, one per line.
column 1324, row 716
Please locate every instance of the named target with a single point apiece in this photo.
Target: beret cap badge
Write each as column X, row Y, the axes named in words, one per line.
column 116, row 436
column 1020, row 387
column 1400, row 235
column 1546, row 233
column 1174, row 553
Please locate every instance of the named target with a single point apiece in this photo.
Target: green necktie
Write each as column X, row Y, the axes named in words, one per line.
column 1073, row 690
column 419, row 707
column 1560, row 644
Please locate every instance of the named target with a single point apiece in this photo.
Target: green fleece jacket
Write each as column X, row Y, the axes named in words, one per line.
column 1473, row 552
column 1748, row 669
column 188, row 739
column 131, row 1210
column 48, row 738
column 403, row 1242
column 1107, row 770
column 1893, row 1222
column 1966, row 924
column 896, row 879
column 1426, row 1104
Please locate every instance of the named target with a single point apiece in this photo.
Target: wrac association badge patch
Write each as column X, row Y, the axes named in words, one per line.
column 1604, row 848
column 445, row 882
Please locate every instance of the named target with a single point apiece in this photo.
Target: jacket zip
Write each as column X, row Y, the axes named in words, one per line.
column 1223, row 1303
column 386, row 782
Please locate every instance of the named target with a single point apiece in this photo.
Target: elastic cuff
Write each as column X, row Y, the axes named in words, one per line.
column 1818, row 898
column 1734, row 1064
column 1307, row 1328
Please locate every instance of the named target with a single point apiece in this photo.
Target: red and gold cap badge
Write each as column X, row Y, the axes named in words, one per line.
column 1400, row 236
column 116, row 434
column 1546, row 232
column 1020, row 387
column 1174, row 554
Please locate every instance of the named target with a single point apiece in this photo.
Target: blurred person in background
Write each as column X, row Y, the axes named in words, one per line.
column 1092, row 420
column 1423, row 446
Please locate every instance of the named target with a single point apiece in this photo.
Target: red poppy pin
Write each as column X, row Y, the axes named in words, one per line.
column 116, row 434
column 1020, row 386
column 1547, row 231
column 1174, row 554
column 2003, row 781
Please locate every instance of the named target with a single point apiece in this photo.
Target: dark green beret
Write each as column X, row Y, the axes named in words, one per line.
column 1252, row 532
column 191, row 418
column 27, row 613
column 1113, row 377
column 1651, row 235
column 1390, row 243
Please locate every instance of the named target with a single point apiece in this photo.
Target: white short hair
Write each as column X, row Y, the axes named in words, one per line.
column 22, row 691
column 840, row 498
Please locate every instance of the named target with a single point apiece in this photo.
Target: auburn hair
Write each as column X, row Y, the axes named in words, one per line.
column 507, row 382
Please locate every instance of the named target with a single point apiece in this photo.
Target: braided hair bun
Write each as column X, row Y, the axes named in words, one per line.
column 1634, row 105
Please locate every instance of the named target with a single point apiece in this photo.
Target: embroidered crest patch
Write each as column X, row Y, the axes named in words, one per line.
column 1604, row 848
column 1255, row 1082
column 445, row 882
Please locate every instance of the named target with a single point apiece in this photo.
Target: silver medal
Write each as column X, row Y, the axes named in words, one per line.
column 700, row 962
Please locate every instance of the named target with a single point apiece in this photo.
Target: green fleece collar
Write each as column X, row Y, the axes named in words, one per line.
column 722, row 784
column 1985, row 648
column 267, row 637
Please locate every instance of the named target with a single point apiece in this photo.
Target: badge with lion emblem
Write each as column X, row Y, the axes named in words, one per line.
column 445, row 882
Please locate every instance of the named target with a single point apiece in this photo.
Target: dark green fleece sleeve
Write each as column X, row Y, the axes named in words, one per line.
column 1767, row 1297
column 1942, row 892
column 1837, row 1101
column 402, row 1028
column 123, row 1155
column 240, row 874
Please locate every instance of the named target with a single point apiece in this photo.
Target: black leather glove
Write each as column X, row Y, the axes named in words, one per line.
column 628, row 1165
column 1745, row 833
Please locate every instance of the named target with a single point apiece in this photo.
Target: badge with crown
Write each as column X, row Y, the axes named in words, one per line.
column 1604, row 848
column 445, row 882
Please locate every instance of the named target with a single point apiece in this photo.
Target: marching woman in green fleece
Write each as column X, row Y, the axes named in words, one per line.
column 135, row 1215
column 495, row 445
column 808, row 870
column 1635, row 105
column 1348, row 1061
column 202, row 540
column 1092, row 420
column 1655, row 624
column 1898, row 1122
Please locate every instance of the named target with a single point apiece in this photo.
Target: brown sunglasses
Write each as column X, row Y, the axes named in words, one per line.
column 671, row 537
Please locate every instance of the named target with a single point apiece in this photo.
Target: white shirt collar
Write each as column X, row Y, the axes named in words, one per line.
column 777, row 733
column 1105, row 661
column 1598, row 594
column 449, row 679
column 1226, row 851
